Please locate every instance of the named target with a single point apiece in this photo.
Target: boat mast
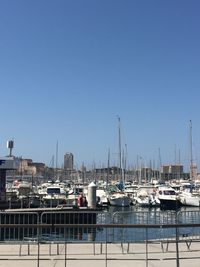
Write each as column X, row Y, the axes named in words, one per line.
column 160, row 164
column 57, row 160
column 108, row 172
column 120, row 150
column 191, row 154
column 124, row 163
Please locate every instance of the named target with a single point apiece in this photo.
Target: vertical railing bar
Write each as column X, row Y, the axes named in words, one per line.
column 39, row 220
column 177, row 239
column 106, row 249
column 147, row 257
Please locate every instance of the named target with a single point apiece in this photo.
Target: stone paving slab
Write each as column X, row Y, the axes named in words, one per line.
column 90, row 255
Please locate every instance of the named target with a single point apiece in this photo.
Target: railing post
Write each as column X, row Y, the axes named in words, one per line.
column 146, row 246
column 177, row 241
column 38, row 241
column 65, row 240
column 38, row 253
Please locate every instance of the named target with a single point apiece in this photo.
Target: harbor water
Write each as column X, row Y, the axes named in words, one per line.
column 114, row 224
column 147, row 216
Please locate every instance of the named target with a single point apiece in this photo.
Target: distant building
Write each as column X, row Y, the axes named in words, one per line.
column 193, row 172
column 27, row 167
column 68, row 161
column 172, row 172
column 145, row 175
column 40, row 167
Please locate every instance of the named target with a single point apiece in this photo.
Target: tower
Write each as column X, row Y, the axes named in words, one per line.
column 68, row 161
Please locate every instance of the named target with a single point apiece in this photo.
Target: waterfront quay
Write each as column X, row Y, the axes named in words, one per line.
column 130, row 238
column 98, row 255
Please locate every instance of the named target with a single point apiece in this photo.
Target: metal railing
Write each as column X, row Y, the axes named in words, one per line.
column 102, row 229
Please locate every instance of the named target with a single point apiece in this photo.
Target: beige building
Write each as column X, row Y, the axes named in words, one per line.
column 26, row 168
column 193, row 172
column 172, row 172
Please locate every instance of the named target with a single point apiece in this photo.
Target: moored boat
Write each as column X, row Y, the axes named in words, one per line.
column 168, row 198
column 146, row 197
column 117, row 197
column 188, row 199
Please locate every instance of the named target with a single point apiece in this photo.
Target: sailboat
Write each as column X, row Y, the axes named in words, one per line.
column 115, row 196
column 146, row 196
column 186, row 196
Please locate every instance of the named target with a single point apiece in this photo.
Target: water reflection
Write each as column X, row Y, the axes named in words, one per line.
column 137, row 215
column 113, row 215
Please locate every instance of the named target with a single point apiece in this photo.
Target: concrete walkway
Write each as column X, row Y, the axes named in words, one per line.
column 97, row 255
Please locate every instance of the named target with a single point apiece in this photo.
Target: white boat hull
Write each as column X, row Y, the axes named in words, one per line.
column 147, row 202
column 190, row 200
column 119, row 200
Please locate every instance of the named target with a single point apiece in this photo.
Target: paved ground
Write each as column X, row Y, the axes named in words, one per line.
column 90, row 255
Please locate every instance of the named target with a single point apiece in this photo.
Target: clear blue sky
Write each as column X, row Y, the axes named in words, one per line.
column 69, row 68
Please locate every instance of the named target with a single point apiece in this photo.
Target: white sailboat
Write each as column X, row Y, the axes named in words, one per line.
column 115, row 196
column 187, row 198
column 146, row 196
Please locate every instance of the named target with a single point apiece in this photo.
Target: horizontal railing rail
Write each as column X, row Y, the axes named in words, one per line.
column 123, row 229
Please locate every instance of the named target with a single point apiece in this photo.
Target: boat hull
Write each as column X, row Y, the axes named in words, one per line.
column 170, row 203
column 190, row 201
column 120, row 201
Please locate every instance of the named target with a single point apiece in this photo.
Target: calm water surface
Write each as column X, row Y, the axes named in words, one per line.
column 139, row 215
